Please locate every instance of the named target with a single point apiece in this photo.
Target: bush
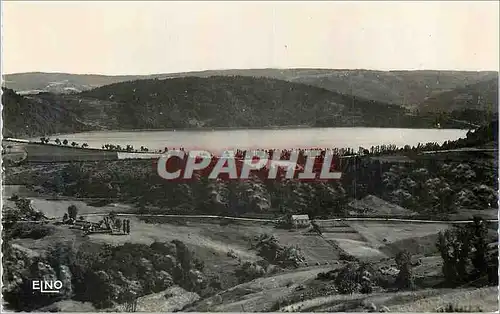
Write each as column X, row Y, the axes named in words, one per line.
column 343, row 256
column 249, row 271
column 404, row 279
column 72, row 212
column 455, row 247
column 29, row 230
column 331, row 275
column 112, row 272
column 347, row 280
column 271, row 250
column 452, row 308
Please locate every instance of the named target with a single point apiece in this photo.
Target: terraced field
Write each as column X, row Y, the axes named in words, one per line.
column 316, row 249
column 378, row 240
column 345, row 238
column 382, row 233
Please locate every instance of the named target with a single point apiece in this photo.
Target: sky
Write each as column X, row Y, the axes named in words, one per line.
column 125, row 37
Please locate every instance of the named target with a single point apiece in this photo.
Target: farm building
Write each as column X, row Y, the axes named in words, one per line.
column 299, row 221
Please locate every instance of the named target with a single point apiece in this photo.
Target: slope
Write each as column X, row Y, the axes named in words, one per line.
column 193, row 102
column 34, row 82
column 240, row 101
column 398, row 87
column 480, row 96
column 33, row 116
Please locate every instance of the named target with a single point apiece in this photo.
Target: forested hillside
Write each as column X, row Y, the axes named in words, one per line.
column 482, row 96
column 212, row 102
column 32, row 116
column 396, row 87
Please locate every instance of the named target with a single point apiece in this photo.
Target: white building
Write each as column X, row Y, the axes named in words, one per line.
column 300, row 221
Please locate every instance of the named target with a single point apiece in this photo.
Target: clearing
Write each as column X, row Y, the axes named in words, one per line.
column 258, row 295
column 371, row 205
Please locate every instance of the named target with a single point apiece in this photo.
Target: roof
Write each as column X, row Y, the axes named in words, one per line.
column 300, row 217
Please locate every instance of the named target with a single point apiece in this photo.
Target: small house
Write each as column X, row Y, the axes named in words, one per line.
column 299, row 221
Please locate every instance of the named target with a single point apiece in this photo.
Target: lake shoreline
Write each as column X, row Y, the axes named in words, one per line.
column 279, row 138
column 266, row 128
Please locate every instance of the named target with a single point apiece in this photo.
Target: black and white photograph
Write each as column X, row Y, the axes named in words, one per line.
column 249, row 156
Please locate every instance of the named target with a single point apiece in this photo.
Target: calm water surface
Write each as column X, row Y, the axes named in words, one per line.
column 281, row 139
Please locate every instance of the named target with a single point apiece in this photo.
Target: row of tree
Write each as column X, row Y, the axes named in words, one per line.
column 128, row 148
column 65, row 142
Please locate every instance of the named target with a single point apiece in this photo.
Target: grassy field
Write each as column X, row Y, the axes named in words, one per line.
column 360, row 249
column 428, row 300
column 257, row 295
column 57, row 209
column 212, row 240
column 370, row 240
column 374, row 206
column 485, row 298
column 170, row 300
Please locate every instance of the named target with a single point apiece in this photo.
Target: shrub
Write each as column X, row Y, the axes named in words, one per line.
column 29, row 230
column 454, row 246
column 112, row 272
column 330, row 275
column 249, row 271
column 404, row 279
column 347, row 281
column 72, row 211
column 453, row 308
column 343, row 256
column 271, row 250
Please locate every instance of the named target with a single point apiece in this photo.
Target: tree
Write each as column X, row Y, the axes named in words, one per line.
column 184, row 255
column 85, row 145
column 118, row 223
column 72, row 212
column 249, row 271
column 454, row 246
column 404, row 279
column 346, row 281
column 479, row 259
column 65, row 142
column 74, row 144
column 57, row 141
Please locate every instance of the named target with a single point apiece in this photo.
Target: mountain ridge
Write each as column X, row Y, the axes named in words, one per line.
column 403, row 87
column 200, row 103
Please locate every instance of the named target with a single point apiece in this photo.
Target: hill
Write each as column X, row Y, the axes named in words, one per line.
column 193, row 102
column 32, row 116
column 240, row 101
column 482, row 96
column 35, row 82
column 396, row 87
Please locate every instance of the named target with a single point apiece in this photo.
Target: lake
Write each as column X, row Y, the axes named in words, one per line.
column 219, row 140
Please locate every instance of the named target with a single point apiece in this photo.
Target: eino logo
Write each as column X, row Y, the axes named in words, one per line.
column 47, row 286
